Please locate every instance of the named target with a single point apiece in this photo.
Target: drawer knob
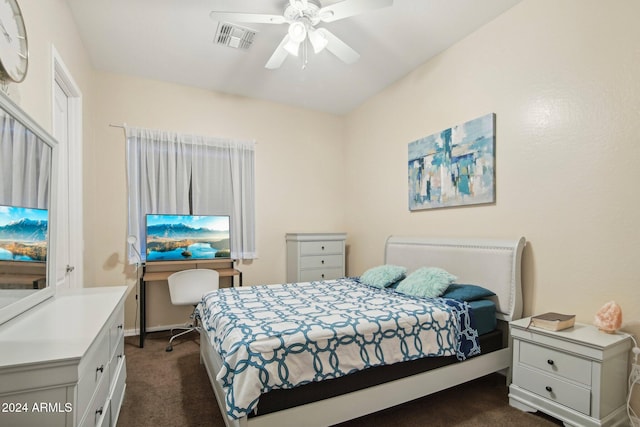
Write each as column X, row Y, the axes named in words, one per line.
column 323, row 275
column 120, row 326
column 549, row 389
column 323, row 248
column 322, row 262
column 100, row 368
column 550, row 362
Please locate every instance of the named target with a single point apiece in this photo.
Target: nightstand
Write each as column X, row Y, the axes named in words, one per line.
column 578, row 375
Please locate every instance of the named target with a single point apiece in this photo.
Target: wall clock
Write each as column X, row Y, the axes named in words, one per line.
column 14, row 53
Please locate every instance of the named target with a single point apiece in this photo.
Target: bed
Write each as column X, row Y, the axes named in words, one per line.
column 493, row 264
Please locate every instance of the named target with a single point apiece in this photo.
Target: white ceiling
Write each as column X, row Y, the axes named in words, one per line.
column 172, row 40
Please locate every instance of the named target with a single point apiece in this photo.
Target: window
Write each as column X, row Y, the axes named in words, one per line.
column 170, row 173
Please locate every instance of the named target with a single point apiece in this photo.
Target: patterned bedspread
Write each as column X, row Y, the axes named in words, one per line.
column 282, row 336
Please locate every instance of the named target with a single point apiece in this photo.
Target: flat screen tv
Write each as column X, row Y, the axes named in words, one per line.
column 187, row 237
column 23, row 234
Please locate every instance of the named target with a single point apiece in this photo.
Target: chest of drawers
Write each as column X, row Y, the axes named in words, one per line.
column 315, row 256
column 578, row 375
column 62, row 362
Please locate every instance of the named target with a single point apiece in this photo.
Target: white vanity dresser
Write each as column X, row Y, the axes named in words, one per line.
column 62, row 357
column 62, row 362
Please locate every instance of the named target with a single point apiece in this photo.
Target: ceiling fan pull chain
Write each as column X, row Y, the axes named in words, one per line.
column 305, row 58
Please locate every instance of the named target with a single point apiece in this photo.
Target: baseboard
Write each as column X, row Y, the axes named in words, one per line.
column 136, row 331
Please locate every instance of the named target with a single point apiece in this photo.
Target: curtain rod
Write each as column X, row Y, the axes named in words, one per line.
column 124, row 126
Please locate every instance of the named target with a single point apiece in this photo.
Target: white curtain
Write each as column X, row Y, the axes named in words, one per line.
column 158, row 174
column 25, row 166
column 161, row 166
column 223, row 183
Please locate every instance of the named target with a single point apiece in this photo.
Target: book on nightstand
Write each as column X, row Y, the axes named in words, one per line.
column 553, row 321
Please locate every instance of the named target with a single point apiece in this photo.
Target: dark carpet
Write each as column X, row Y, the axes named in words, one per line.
column 172, row 389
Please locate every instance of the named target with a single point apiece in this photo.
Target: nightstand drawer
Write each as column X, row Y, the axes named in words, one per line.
column 319, row 261
column 556, row 362
column 552, row 388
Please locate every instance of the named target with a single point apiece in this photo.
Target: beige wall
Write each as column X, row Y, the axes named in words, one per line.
column 50, row 25
column 562, row 78
column 299, row 174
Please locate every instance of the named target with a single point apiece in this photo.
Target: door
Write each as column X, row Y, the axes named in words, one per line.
column 64, row 268
column 67, row 129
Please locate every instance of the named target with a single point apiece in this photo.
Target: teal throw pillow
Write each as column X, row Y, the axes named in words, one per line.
column 462, row 292
column 429, row 282
column 383, row 275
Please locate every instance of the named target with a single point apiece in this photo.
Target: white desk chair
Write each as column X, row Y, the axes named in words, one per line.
column 187, row 287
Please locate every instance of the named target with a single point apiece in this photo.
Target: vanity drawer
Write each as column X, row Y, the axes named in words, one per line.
column 116, row 329
column 556, row 362
column 115, row 360
column 322, row 247
column 93, row 368
column 555, row 389
column 320, row 274
column 117, row 393
column 98, row 410
column 319, row 261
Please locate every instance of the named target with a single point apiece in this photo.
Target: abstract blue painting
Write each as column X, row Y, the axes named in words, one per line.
column 454, row 167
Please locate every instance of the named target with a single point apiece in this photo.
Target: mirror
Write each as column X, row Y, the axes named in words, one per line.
column 27, row 189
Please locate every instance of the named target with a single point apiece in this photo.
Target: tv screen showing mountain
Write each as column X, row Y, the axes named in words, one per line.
column 23, row 234
column 187, row 237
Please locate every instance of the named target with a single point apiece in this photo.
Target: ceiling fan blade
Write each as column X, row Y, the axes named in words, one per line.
column 279, row 55
column 338, row 47
column 255, row 18
column 348, row 8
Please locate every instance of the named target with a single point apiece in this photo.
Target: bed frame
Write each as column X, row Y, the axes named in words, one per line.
column 493, row 264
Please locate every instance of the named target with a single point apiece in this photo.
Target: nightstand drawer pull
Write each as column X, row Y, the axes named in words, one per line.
column 550, row 362
column 549, row 389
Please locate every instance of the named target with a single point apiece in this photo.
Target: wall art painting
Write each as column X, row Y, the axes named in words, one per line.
column 454, row 167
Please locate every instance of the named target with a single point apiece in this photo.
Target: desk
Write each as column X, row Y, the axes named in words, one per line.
column 17, row 275
column 160, row 271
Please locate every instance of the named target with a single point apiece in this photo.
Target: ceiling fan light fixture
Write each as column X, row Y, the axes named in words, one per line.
column 298, row 31
column 292, row 46
column 318, row 41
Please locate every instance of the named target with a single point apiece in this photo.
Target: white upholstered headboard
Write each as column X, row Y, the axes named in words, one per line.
column 493, row 264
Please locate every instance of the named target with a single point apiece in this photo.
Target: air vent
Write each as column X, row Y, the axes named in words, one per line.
column 234, row 36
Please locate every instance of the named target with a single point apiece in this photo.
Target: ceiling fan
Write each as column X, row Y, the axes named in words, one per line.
column 303, row 16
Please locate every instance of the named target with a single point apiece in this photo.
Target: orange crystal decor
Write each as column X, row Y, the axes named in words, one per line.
column 609, row 317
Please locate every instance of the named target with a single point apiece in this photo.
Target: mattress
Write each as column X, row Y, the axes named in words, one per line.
column 277, row 400
column 484, row 313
